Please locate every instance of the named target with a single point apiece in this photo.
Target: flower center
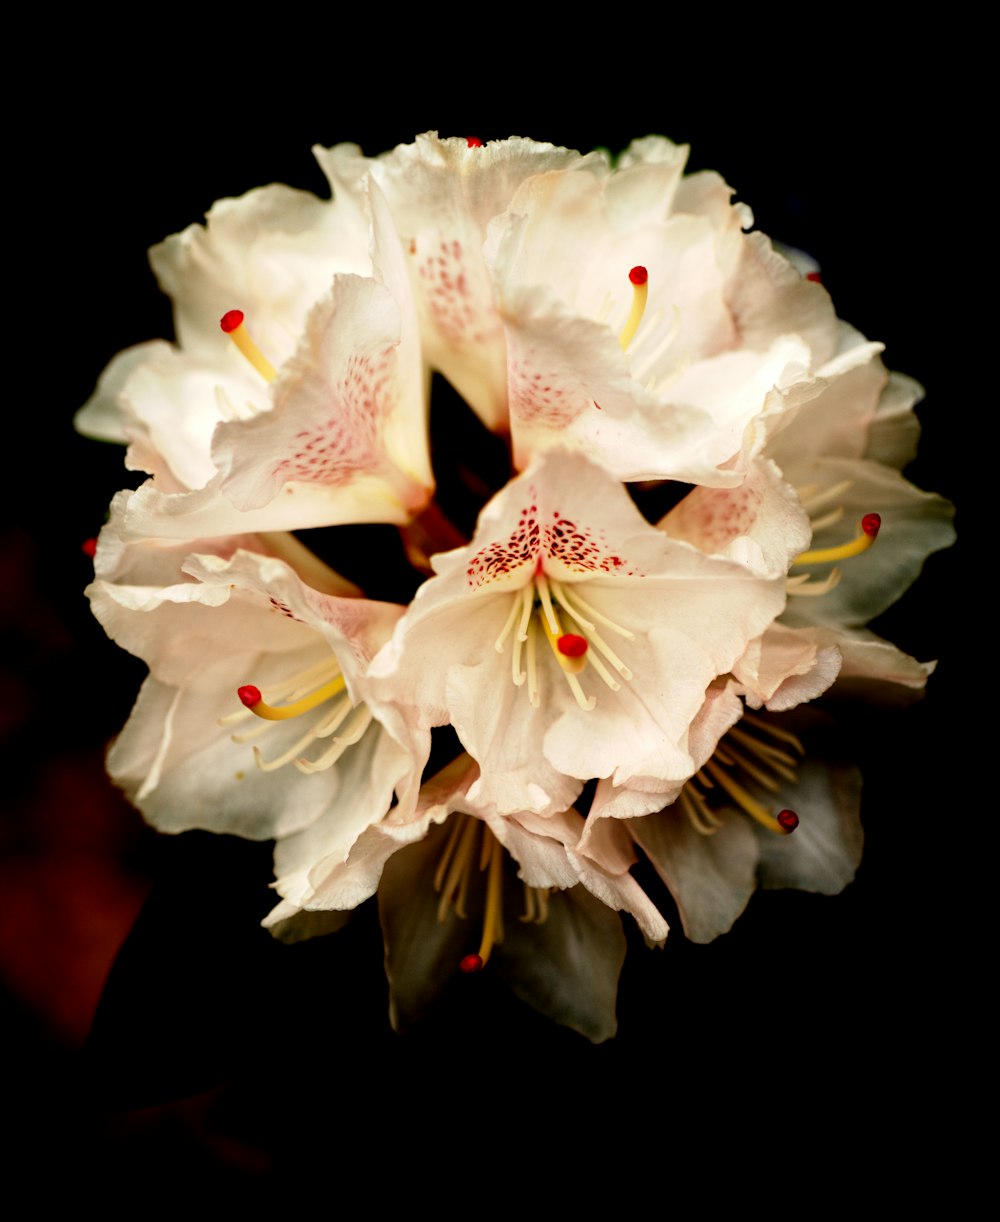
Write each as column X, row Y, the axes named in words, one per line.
column 318, row 689
column 232, row 323
column 534, row 612
column 755, row 755
column 471, row 844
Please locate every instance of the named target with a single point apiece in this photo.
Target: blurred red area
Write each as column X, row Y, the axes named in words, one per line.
column 69, row 875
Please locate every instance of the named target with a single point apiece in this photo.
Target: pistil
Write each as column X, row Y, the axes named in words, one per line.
column 870, row 525
column 453, row 881
column 745, row 751
column 538, row 605
column 639, row 278
column 308, row 691
column 233, row 325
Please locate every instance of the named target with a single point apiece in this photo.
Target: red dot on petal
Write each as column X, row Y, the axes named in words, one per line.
column 815, row 277
column 871, row 523
column 638, row 275
column 249, row 694
column 473, row 142
column 789, row 820
column 572, row 646
column 470, row 963
column 89, row 547
column 231, row 320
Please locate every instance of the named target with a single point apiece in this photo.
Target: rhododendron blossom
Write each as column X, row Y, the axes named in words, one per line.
column 571, row 640
column 604, row 676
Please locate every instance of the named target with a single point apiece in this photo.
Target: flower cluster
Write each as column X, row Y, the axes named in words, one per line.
column 703, row 510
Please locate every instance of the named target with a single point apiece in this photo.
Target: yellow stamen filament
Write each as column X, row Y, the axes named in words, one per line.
column 536, row 905
column 241, row 338
column 785, row 736
column 593, row 613
column 803, row 584
column 292, row 688
column 698, row 813
column 312, row 701
column 534, row 698
column 540, row 601
column 355, row 730
column 826, row 555
column 492, row 924
column 827, row 520
column 815, row 496
column 639, row 294
column 779, row 761
column 744, row 799
column 449, row 848
column 451, row 892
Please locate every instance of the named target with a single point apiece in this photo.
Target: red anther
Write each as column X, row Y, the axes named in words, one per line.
column 89, row 547
column 815, row 277
column 871, row 524
column 473, row 142
column 249, row 694
column 638, row 275
column 572, row 646
column 788, row 820
column 470, row 963
column 231, row 320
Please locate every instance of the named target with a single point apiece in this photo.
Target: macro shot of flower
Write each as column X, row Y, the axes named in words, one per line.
column 518, row 659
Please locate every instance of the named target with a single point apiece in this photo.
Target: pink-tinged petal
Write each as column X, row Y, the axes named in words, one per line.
column 207, row 624
column 769, row 297
column 721, row 709
column 208, row 513
column 271, row 254
column 785, row 667
column 760, row 523
column 332, row 402
column 182, row 770
column 442, row 194
column 710, row 877
column 173, row 403
column 836, row 420
column 310, row 866
column 102, row 416
column 679, row 619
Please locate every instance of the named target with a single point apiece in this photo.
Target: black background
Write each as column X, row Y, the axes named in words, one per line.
column 810, row 1000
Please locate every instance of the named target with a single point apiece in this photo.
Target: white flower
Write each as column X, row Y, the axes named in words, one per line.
column 442, row 195
column 313, row 415
column 643, row 326
column 833, row 455
column 775, row 803
column 571, row 640
column 213, row 618
column 449, row 902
